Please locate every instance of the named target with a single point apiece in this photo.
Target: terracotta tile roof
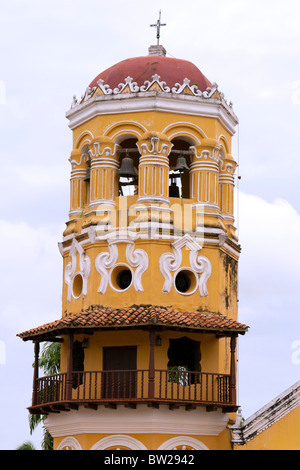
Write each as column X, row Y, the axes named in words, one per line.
column 98, row 317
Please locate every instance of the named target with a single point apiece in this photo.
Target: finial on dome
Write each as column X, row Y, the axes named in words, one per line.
column 158, row 25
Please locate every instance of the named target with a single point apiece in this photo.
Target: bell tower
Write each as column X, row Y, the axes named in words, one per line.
column 150, row 253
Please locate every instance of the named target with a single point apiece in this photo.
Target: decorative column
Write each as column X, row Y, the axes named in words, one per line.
column 69, row 367
column 204, row 187
column 103, row 175
column 151, row 365
column 153, row 200
column 35, row 372
column 232, row 387
column 154, row 149
column 204, row 173
column 79, row 195
column 227, row 168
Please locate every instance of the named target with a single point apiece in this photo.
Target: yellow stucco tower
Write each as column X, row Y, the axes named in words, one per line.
column 150, row 254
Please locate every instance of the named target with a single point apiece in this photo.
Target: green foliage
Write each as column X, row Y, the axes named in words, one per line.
column 27, row 445
column 49, row 361
column 47, row 443
column 178, row 374
column 50, row 358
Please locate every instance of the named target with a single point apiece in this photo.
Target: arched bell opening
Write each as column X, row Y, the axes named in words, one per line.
column 128, row 167
column 87, row 177
column 179, row 162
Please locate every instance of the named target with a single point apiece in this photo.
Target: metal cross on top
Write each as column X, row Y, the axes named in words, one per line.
column 157, row 25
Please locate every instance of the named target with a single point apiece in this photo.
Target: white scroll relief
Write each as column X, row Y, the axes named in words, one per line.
column 200, row 265
column 136, row 259
column 105, row 261
column 169, row 262
column 70, row 270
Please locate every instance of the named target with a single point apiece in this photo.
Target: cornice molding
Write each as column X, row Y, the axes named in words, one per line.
column 142, row 420
column 153, row 100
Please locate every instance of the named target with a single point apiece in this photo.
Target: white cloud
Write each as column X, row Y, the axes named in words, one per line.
column 269, row 280
column 269, row 234
column 31, row 275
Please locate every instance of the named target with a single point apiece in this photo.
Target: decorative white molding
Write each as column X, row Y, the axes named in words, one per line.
column 153, row 100
column 121, row 128
column 88, row 140
column 119, row 440
column 129, row 86
column 103, row 263
column 83, row 158
column 182, row 442
column 226, row 167
column 142, row 420
column 69, row 443
column 199, row 265
column 156, row 148
column 70, row 270
column 136, row 258
column 169, row 262
column 181, row 88
column 95, row 151
column 155, row 79
column 207, row 154
column 183, row 126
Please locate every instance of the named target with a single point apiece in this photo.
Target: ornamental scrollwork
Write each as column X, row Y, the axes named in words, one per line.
column 71, row 268
column 199, row 265
column 136, row 258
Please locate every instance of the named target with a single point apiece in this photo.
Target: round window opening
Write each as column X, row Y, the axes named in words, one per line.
column 185, row 282
column 121, row 277
column 124, row 278
column 77, row 285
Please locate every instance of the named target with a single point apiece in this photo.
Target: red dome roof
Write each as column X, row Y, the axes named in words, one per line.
column 170, row 70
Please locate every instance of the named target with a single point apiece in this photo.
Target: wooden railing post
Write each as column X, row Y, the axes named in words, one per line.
column 35, row 372
column 232, row 390
column 151, row 366
column 69, row 368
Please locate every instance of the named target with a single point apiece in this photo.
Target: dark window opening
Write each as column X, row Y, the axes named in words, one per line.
column 124, row 278
column 87, row 177
column 78, row 364
column 184, row 357
column 128, row 170
column 182, row 282
column 179, row 181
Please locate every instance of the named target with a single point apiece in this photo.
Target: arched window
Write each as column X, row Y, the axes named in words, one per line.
column 86, row 180
column 179, row 162
column 128, row 169
column 184, row 356
column 78, row 364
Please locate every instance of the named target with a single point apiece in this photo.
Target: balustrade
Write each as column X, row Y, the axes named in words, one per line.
column 170, row 386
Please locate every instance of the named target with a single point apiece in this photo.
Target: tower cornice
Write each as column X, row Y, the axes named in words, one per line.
column 123, row 103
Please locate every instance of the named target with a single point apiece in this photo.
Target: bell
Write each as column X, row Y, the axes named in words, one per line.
column 173, row 190
column 87, row 174
column 181, row 165
column 127, row 169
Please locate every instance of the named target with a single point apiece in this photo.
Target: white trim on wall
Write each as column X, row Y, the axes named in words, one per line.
column 119, row 440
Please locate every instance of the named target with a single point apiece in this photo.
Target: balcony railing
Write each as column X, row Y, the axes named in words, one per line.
column 93, row 388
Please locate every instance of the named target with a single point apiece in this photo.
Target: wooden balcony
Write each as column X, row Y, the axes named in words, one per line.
column 174, row 388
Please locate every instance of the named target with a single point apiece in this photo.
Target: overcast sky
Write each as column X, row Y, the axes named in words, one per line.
column 51, row 50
